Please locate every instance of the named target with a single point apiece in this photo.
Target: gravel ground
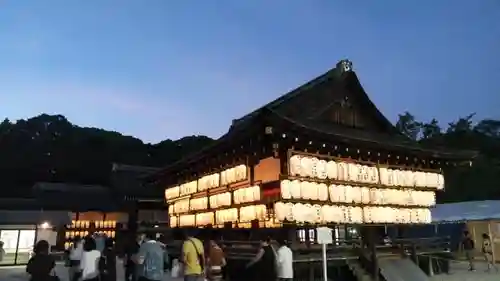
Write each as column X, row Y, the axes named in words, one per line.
column 459, row 272
column 17, row 273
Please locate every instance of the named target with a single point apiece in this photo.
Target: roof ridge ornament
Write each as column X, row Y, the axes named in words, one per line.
column 344, row 65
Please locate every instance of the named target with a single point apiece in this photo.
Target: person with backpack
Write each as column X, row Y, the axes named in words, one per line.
column 216, row 261
column 107, row 262
column 150, row 259
column 193, row 258
column 468, row 247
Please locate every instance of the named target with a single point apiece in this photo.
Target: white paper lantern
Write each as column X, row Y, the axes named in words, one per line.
column 365, row 195
column 295, row 165
column 322, row 192
column 305, row 166
column 342, row 171
column 295, row 189
column 322, row 170
column 331, row 170
column 280, row 210
column 173, row 221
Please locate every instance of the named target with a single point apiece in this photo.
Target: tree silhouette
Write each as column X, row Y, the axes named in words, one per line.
column 50, row 148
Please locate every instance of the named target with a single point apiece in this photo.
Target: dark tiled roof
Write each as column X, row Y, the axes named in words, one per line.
column 34, row 217
column 467, row 211
column 69, row 187
column 117, row 167
column 350, row 134
column 336, row 79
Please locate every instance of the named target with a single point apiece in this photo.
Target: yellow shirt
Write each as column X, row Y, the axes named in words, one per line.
column 192, row 264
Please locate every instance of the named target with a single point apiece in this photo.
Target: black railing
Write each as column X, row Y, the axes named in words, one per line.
column 308, row 258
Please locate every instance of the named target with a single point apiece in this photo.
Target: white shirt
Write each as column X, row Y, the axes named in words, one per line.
column 285, row 262
column 90, row 264
column 75, row 253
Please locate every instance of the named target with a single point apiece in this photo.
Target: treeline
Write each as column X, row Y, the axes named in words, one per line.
column 479, row 182
column 50, row 148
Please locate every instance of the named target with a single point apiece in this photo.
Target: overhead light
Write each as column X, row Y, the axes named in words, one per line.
column 45, row 225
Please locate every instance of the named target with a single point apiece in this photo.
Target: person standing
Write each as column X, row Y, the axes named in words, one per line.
column 285, row 261
column 487, row 250
column 90, row 260
column 265, row 262
column 41, row 264
column 150, row 259
column 131, row 250
column 2, row 251
column 468, row 247
column 75, row 256
column 215, row 261
column 193, row 258
column 100, row 241
column 107, row 262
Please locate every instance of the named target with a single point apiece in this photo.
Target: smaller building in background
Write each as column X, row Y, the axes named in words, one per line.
column 57, row 212
column 477, row 217
column 21, row 229
column 452, row 219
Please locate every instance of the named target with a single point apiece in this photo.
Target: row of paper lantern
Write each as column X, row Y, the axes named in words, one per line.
column 248, row 194
column 243, row 195
column 397, row 177
column 307, row 213
column 228, row 176
column 232, row 175
column 306, row 190
column 312, row 167
column 243, row 214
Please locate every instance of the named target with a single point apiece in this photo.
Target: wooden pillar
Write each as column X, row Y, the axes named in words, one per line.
column 133, row 218
column 369, row 239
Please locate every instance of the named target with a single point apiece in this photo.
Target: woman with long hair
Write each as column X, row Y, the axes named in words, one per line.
column 40, row 266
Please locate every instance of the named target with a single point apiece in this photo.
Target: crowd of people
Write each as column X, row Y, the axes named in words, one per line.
column 94, row 258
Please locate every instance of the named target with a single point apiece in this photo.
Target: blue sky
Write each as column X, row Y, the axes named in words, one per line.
column 160, row 69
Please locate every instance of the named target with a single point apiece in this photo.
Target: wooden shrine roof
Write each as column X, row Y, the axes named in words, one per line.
column 311, row 106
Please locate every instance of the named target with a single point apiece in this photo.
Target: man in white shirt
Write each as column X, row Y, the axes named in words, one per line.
column 284, row 257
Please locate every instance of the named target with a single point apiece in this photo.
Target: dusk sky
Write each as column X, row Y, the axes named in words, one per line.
column 158, row 69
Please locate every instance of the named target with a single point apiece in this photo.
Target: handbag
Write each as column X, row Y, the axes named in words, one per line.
column 53, row 275
column 176, row 269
